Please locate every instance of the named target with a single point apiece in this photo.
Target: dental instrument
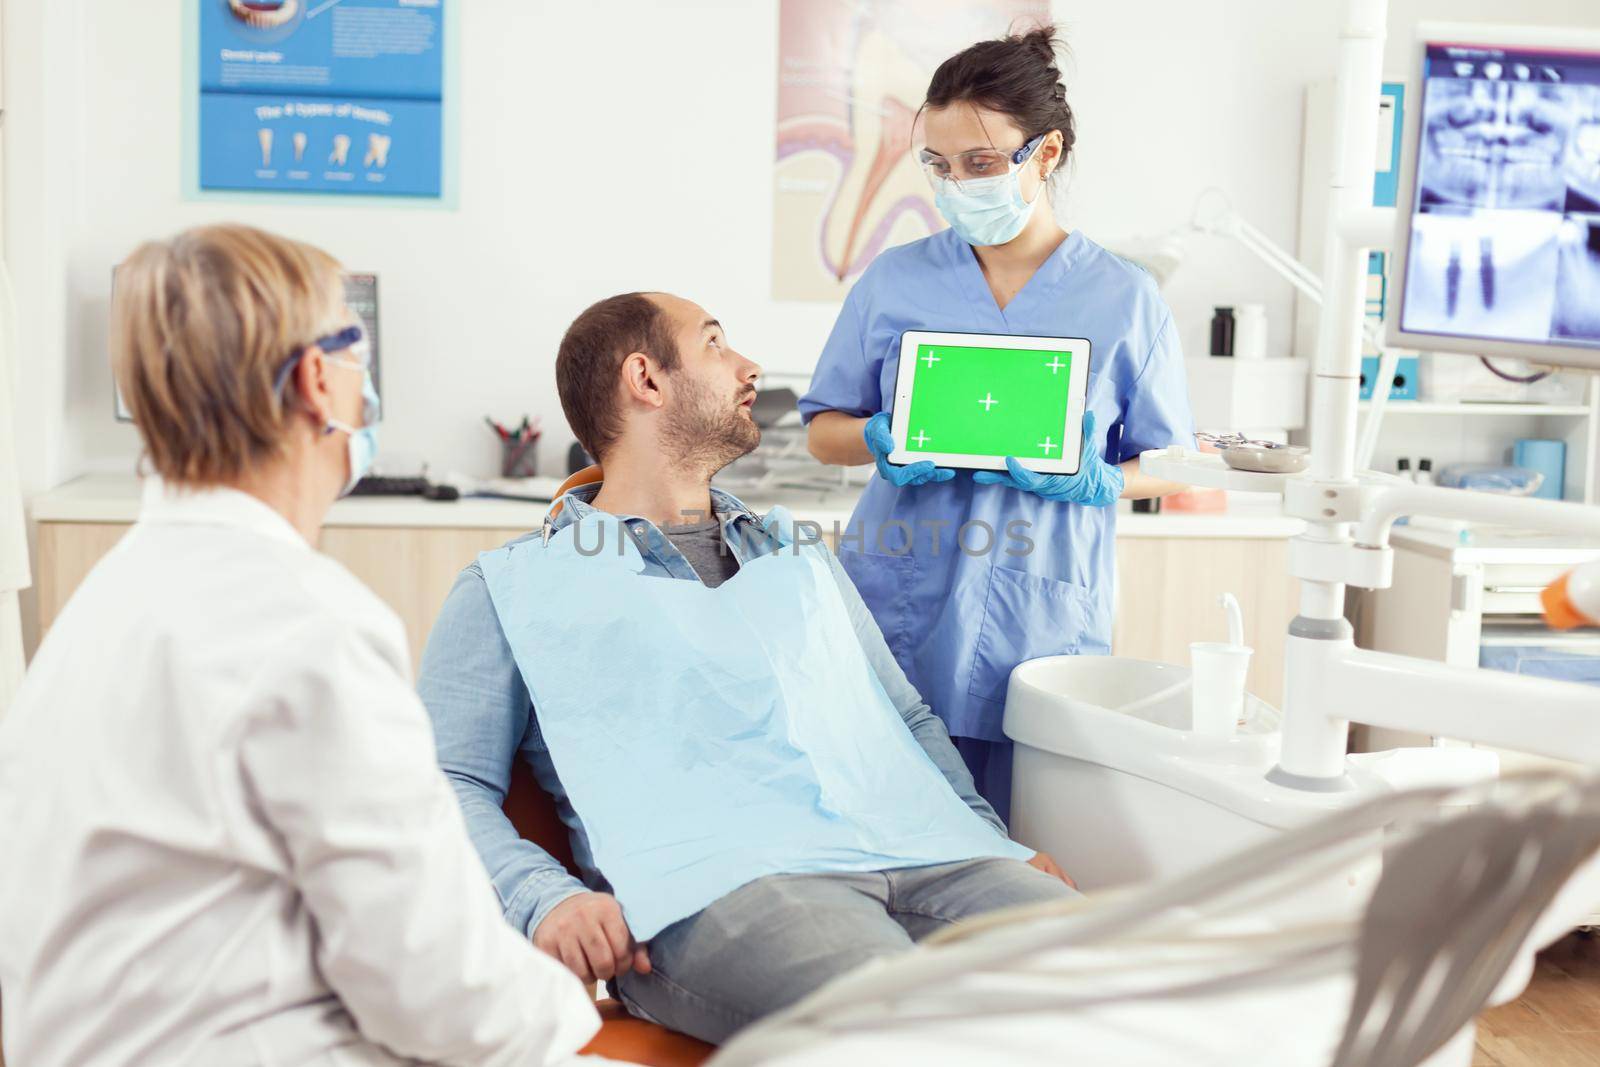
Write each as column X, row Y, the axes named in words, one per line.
column 1261, row 456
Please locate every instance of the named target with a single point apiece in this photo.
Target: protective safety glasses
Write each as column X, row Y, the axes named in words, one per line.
column 976, row 165
column 352, row 340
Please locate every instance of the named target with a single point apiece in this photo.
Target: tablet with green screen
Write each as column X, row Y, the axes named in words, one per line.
column 970, row 400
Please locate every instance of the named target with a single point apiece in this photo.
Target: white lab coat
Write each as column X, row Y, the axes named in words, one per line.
column 14, row 574
column 224, row 839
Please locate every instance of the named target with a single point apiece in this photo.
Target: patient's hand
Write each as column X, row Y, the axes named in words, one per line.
column 1043, row 862
column 587, row 933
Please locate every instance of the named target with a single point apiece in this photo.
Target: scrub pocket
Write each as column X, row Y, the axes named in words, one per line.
column 1026, row 616
column 885, row 584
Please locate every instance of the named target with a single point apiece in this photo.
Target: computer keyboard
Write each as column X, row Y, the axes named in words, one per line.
column 385, row 485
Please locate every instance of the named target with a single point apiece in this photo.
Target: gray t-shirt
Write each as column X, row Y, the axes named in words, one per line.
column 703, row 546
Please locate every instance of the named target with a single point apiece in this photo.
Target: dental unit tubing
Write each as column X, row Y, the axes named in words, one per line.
column 1335, row 679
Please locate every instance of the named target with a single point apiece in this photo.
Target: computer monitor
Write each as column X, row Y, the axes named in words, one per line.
column 360, row 292
column 1497, row 249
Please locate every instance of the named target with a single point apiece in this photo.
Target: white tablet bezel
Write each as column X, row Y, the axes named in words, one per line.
column 1077, row 400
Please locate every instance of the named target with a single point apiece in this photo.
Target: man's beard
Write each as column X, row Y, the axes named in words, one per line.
column 706, row 431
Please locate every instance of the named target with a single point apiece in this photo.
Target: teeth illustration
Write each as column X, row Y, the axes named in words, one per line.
column 264, row 14
column 377, row 150
column 341, row 150
column 265, row 137
column 299, row 147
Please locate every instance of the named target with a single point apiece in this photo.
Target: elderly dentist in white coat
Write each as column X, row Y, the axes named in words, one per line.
column 225, row 836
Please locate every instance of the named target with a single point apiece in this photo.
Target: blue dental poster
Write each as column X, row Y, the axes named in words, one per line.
column 322, row 96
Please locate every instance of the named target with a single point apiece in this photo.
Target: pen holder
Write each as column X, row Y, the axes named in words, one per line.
column 519, row 459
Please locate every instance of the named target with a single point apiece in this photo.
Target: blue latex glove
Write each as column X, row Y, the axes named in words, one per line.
column 881, row 442
column 1097, row 484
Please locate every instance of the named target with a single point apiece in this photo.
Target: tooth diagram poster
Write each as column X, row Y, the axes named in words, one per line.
column 322, row 96
column 851, row 75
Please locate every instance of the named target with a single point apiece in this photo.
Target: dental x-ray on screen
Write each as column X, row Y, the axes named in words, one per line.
column 1502, row 238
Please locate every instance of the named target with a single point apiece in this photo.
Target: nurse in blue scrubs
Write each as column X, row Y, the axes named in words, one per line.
column 970, row 574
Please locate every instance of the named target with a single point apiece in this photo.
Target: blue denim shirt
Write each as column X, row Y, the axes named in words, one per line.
column 483, row 717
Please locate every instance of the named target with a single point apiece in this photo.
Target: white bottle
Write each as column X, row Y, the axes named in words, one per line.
column 1424, row 471
column 1250, row 331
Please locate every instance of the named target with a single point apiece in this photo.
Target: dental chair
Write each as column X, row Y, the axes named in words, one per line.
column 1219, row 967
column 621, row 1036
column 587, row 476
column 533, row 813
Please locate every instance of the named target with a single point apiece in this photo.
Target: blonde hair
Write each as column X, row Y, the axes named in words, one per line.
column 201, row 324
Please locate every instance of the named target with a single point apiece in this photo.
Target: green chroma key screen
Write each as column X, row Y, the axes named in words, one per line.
column 989, row 401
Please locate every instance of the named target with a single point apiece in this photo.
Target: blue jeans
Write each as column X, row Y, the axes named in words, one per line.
column 769, row 943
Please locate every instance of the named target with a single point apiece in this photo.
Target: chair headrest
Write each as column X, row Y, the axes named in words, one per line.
column 588, row 476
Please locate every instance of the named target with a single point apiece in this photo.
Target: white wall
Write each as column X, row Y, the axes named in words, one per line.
column 577, row 135
column 605, row 148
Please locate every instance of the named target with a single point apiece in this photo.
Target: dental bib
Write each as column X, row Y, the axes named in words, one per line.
column 710, row 737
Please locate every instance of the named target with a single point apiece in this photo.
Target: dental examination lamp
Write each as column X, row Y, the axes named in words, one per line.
column 1460, row 212
column 1214, row 215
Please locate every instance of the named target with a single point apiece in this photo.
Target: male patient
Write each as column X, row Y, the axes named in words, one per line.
column 756, row 796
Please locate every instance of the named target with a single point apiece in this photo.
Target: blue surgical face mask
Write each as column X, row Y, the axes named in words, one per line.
column 362, row 444
column 987, row 211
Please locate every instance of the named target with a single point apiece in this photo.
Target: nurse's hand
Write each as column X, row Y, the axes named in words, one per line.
column 881, row 443
column 586, row 932
column 1042, row 861
column 1097, row 484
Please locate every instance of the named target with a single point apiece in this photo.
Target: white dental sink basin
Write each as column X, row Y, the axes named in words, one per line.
column 1109, row 779
column 1097, row 706
column 1107, row 681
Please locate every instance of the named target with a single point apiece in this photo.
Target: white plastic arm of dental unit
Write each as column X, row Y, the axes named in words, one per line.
column 1383, row 504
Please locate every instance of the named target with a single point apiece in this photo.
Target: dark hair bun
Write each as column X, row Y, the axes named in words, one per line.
column 1042, row 41
column 1017, row 75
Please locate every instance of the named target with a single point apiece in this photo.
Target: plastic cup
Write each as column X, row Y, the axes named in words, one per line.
column 1219, row 671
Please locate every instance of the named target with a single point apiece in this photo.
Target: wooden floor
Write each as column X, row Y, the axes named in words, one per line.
column 1556, row 1023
